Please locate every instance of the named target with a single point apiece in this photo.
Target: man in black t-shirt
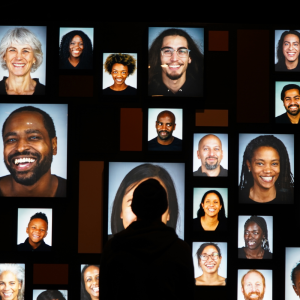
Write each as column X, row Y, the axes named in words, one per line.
column 165, row 141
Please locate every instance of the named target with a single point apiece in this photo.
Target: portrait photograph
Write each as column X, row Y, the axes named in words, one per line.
column 76, row 48
column 34, row 229
column 266, row 168
column 210, row 209
column 89, row 288
column 292, row 273
column 33, row 152
column 23, row 60
column 255, row 237
column 15, row 273
column 165, row 129
column 254, row 282
column 287, row 102
column 124, row 174
column 210, row 154
column 175, row 61
column 119, row 74
column 38, row 294
column 287, row 50
column 210, row 263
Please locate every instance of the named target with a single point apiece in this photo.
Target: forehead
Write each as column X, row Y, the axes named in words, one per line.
column 253, row 277
column 119, row 67
column 8, row 275
column 266, row 152
column 209, row 249
column 167, row 117
column 212, row 196
column 39, row 222
column 291, row 38
column 174, row 41
column 252, row 226
column 291, row 92
column 91, row 270
column 77, row 38
column 211, row 141
column 20, row 45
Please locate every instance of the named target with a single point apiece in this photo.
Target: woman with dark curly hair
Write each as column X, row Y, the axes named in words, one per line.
column 120, row 66
column 256, row 239
column 266, row 175
column 76, row 51
column 90, row 282
column 288, row 48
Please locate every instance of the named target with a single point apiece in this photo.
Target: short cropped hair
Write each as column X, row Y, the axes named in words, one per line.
column 293, row 274
column 84, row 294
column 50, row 295
column 40, row 215
column 48, row 121
column 203, row 246
column 20, row 36
column 119, row 58
column 254, row 271
column 289, row 87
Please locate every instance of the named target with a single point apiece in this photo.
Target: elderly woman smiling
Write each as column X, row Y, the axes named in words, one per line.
column 20, row 54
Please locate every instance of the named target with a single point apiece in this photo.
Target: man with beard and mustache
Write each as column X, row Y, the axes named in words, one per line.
column 253, row 285
column 30, row 141
column 211, row 154
column 165, row 141
column 175, row 65
column 290, row 96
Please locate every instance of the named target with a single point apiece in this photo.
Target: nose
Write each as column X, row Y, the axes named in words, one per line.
column 174, row 56
column 22, row 145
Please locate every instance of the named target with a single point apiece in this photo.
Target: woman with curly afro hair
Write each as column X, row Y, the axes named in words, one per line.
column 76, row 51
column 120, row 66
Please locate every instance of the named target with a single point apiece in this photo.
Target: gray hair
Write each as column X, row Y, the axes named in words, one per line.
column 19, row 36
column 19, row 272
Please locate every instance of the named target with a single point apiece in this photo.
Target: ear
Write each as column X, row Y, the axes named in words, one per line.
column 46, row 234
column 27, row 230
column 121, row 215
column 198, row 154
column 190, row 60
column 248, row 164
column 174, row 126
column 222, row 155
column 242, row 290
column 296, row 291
column 54, row 145
column 202, row 204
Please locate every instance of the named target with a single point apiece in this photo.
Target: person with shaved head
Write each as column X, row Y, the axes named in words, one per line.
column 165, row 141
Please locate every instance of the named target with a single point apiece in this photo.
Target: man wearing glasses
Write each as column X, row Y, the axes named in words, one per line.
column 175, row 65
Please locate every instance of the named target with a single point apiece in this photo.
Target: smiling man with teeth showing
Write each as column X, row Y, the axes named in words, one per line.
column 30, row 141
column 253, row 285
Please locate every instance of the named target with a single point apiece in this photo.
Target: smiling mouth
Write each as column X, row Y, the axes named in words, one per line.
column 119, row 80
column 209, row 266
column 36, row 236
column 23, row 163
column 7, row 295
column 18, row 65
column 251, row 243
column 174, row 67
column 211, row 209
column 96, row 289
column 267, row 179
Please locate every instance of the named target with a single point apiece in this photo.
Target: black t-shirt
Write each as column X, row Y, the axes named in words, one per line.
column 39, row 88
column 242, row 254
column 27, row 247
column 284, row 119
column 282, row 68
column 223, row 172
column 66, row 65
column 197, row 226
column 129, row 91
column 176, row 145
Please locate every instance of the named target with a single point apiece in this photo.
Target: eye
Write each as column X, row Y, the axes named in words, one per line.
column 10, row 140
column 34, row 137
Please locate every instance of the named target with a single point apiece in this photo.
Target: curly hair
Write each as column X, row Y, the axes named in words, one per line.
column 195, row 68
column 285, row 180
column 20, row 36
column 279, row 52
column 84, row 294
column 261, row 222
column 203, row 246
column 119, row 58
column 40, row 215
column 86, row 57
column 50, row 295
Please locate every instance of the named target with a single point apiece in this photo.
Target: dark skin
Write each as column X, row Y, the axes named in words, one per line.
column 25, row 131
column 253, row 236
column 37, row 231
column 165, row 125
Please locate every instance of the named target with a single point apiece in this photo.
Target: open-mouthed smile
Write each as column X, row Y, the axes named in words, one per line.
column 23, row 163
column 267, row 178
column 19, row 65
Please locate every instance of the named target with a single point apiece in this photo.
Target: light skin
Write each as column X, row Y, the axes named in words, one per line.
column 174, row 66
column 19, row 60
column 265, row 169
column 91, row 281
column 290, row 49
column 165, row 125
column 210, row 268
column 119, row 74
column 25, row 133
column 9, row 286
column 253, row 283
column 210, row 152
column 127, row 214
column 75, row 49
column 37, row 230
column 296, row 286
column 211, row 206
column 253, row 236
column 291, row 103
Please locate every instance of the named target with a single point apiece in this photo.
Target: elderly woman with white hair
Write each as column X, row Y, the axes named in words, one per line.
column 20, row 54
column 12, row 282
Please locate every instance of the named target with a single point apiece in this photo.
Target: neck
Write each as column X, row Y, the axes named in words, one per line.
column 260, row 194
column 211, row 173
column 165, row 142
column 19, row 84
column 74, row 61
column 258, row 252
column 291, row 64
column 173, row 85
column 210, row 221
column 119, row 87
column 294, row 118
column 210, row 277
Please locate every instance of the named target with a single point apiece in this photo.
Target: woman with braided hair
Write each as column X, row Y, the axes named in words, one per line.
column 256, row 239
column 266, row 175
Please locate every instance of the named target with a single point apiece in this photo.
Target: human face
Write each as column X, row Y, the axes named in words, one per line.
column 265, row 167
column 290, row 47
column 27, row 147
column 211, row 205
column 210, row 152
column 119, row 73
column 253, row 236
column 37, row 230
column 19, row 59
column 76, row 46
column 174, row 67
column 253, row 287
column 296, row 287
column 210, row 265
column 291, row 101
column 165, row 126
column 127, row 214
column 91, row 281
column 9, row 286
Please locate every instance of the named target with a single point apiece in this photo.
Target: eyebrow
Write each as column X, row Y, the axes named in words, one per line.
column 12, row 133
